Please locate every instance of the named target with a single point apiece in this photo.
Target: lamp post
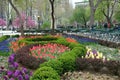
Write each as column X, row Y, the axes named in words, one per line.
column 38, row 22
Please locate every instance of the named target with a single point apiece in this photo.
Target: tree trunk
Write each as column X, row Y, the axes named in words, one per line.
column 109, row 12
column 91, row 18
column 52, row 16
column 93, row 8
column 18, row 14
column 85, row 22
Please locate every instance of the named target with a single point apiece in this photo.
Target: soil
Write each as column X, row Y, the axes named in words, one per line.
column 84, row 75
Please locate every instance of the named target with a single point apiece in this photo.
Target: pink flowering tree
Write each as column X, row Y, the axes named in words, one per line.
column 16, row 21
column 2, row 22
column 25, row 21
column 30, row 23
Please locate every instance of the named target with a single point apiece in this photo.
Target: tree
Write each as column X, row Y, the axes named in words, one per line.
column 108, row 9
column 52, row 16
column 29, row 22
column 18, row 14
column 21, row 18
column 63, row 10
column 2, row 22
column 93, row 6
column 99, row 16
column 117, row 15
column 43, row 9
column 80, row 15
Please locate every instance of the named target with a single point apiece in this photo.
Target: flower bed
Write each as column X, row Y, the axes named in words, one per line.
column 67, row 61
column 85, row 40
column 62, row 62
column 4, row 45
column 80, row 39
column 48, row 51
column 14, row 71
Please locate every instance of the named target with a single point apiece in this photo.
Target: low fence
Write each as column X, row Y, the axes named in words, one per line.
column 9, row 33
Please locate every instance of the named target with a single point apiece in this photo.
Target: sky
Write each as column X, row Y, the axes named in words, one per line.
column 73, row 2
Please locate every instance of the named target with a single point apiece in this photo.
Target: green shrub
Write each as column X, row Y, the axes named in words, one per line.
column 79, row 51
column 68, row 62
column 45, row 73
column 62, row 41
column 16, row 36
column 73, row 45
column 46, row 24
column 55, row 64
column 42, row 40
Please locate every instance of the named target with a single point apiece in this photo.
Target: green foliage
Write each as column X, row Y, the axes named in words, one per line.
column 5, row 53
column 117, row 16
column 62, row 41
column 80, row 14
column 55, row 64
column 68, row 58
column 42, row 40
column 99, row 14
column 4, row 38
column 68, row 62
column 46, row 25
column 73, row 45
column 16, row 36
column 79, row 51
column 45, row 73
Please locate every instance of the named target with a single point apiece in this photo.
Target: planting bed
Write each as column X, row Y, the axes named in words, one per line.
column 57, row 58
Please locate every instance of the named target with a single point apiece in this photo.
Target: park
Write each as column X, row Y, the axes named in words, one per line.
column 59, row 40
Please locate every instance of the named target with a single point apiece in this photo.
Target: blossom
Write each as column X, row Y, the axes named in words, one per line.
column 20, row 77
column 31, row 73
column 5, row 77
column 48, row 51
column 16, row 73
column 11, row 59
column 9, row 73
column 24, row 70
column 26, row 77
column 15, row 64
column 24, row 18
column 2, row 22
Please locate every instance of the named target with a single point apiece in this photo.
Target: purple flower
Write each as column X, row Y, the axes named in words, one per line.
column 26, row 77
column 9, row 73
column 24, row 70
column 94, row 51
column 17, row 72
column 11, row 78
column 20, row 77
column 31, row 73
column 13, row 55
column 15, row 64
column 11, row 58
column 5, row 77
